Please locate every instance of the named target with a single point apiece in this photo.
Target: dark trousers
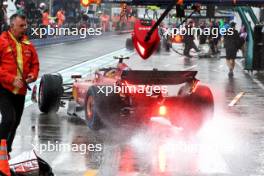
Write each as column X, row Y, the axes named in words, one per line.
column 188, row 47
column 11, row 110
column 213, row 46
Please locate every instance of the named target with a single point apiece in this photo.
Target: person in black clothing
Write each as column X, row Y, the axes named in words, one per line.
column 189, row 41
column 3, row 16
column 242, row 41
column 34, row 15
column 214, row 38
column 146, row 12
column 14, row 76
column 202, row 36
column 231, row 46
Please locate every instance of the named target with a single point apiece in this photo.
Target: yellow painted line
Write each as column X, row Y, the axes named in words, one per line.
column 162, row 159
column 91, row 173
column 236, row 99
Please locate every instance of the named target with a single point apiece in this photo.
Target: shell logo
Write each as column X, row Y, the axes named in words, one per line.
column 86, row 3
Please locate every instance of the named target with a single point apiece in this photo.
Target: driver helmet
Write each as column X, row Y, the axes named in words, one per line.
column 42, row 5
column 5, row 3
column 122, row 67
column 111, row 73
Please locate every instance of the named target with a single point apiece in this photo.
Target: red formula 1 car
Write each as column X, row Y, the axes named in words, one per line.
column 158, row 40
column 120, row 93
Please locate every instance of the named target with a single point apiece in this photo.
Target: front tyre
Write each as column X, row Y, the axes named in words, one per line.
column 101, row 109
column 50, row 92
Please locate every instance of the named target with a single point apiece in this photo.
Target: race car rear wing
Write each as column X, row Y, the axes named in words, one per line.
column 149, row 77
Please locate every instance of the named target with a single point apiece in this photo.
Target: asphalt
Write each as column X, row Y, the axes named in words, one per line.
column 60, row 56
column 231, row 144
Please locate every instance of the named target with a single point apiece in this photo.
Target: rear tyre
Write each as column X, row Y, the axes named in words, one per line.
column 202, row 102
column 195, row 109
column 50, row 92
column 101, row 109
column 203, row 99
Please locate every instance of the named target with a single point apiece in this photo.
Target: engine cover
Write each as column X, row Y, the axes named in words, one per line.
column 145, row 48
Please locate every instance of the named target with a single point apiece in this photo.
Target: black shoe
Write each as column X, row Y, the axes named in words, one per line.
column 231, row 73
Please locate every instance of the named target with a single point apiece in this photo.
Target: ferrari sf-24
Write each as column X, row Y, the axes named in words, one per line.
column 191, row 106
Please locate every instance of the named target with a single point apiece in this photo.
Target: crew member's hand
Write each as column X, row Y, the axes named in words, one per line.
column 18, row 83
column 30, row 78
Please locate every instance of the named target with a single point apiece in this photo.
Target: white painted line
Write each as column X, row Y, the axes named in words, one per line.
column 50, row 45
column 93, row 60
column 236, row 99
column 190, row 68
column 260, row 84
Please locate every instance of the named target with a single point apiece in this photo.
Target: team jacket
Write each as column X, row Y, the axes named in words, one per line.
column 12, row 55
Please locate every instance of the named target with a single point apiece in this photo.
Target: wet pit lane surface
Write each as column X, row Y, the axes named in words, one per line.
column 232, row 143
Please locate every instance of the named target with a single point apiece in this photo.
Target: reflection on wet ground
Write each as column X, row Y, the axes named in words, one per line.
column 231, row 144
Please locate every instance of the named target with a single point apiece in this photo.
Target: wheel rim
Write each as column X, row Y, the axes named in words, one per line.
column 41, row 94
column 90, row 107
column 0, row 116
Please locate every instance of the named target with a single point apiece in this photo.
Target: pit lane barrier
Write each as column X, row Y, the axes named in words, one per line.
column 61, row 39
column 64, row 39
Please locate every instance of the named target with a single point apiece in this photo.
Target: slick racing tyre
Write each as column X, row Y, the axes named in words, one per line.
column 203, row 99
column 129, row 44
column 195, row 108
column 50, row 92
column 91, row 110
column 101, row 108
